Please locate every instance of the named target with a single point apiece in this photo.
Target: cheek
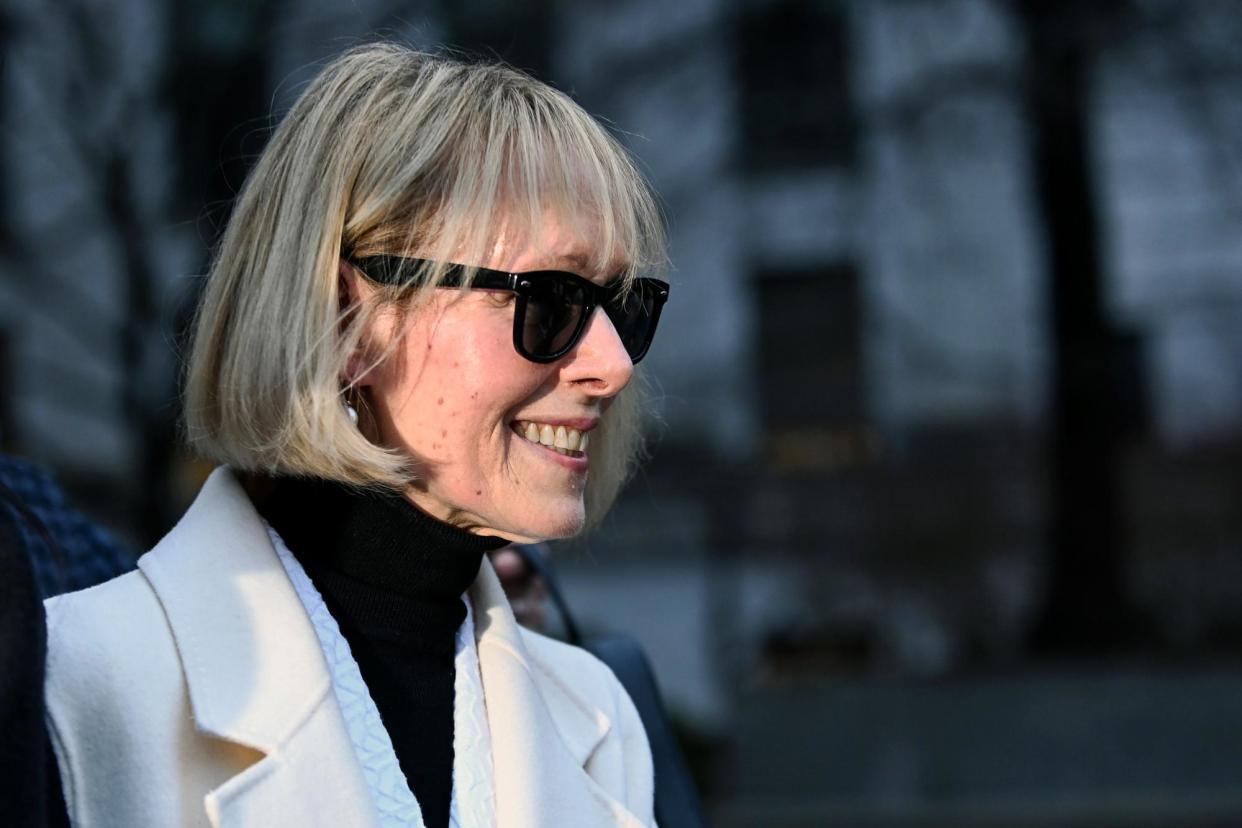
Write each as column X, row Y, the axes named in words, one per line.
column 451, row 399
column 460, row 407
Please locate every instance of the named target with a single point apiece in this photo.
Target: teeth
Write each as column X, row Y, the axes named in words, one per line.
column 559, row 438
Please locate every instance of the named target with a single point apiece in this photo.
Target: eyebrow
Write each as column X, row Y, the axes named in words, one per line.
column 574, row 260
column 582, row 264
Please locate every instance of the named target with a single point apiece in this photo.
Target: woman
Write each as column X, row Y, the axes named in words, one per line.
column 412, row 348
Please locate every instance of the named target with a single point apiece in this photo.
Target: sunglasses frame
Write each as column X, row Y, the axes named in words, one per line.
column 395, row 270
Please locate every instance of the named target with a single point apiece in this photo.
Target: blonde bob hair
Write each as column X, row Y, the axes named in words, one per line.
column 391, row 150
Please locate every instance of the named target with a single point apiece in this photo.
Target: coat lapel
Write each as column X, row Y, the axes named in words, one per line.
column 257, row 678
column 255, row 673
column 542, row 732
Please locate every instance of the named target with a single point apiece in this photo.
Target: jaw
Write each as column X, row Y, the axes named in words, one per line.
column 529, row 497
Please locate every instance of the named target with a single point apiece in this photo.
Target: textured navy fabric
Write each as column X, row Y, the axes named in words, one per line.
column 85, row 554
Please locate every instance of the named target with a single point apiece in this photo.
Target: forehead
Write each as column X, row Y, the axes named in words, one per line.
column 585, row 264
column 555, row 244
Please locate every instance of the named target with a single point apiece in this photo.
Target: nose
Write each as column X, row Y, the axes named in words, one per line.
column 599, row 362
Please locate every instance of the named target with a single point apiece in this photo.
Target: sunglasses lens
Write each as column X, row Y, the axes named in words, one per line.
column 633, row 315
column 554, row 311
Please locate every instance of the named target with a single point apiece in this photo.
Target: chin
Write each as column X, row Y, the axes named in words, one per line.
column 551, row 525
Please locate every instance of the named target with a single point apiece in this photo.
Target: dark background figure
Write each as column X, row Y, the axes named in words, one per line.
column 67, row 550
column 30, row 793
column 527, row 592
column 942, row 524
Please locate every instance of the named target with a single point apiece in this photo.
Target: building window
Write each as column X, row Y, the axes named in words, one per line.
column 811, row 373
column 796, row 107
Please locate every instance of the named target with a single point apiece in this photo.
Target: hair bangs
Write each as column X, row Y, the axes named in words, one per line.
column 529, row 160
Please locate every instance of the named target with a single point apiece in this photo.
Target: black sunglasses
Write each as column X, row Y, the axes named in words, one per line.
column 552, row 308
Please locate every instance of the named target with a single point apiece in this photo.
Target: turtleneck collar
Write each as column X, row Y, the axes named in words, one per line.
column 392, row 578
column 385, row 567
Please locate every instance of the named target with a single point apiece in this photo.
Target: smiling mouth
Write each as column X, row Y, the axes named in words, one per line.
column 567, row 441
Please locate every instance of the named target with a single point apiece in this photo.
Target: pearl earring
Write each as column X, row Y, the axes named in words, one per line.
column 352, row 413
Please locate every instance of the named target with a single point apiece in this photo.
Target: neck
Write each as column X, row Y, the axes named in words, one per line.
column 379, row 560
column 392, row 577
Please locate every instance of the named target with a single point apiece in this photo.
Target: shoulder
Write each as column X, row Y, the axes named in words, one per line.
column 123, row 622
column 115, row 617
column 118, row 710
column 572, row 667
column 107, row 646
column 110, row 654
column 582, row 675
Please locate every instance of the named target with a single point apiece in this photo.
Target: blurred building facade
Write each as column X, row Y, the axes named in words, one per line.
column 847, row 507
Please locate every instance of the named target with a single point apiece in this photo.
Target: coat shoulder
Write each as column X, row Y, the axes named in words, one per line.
column 113, row 679
column 113, row 627
column 111, row 658
column 573, row 669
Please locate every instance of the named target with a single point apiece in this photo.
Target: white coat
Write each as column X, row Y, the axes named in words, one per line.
column 193, row 691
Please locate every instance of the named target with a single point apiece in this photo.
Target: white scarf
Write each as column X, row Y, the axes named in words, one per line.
column 472, row 804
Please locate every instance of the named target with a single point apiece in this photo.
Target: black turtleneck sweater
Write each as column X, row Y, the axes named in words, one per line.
column 393, row 578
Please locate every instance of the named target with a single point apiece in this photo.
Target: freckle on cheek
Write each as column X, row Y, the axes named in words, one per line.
column 440, row 401
column 478, row 492
column 475, row 395
column 443, row 432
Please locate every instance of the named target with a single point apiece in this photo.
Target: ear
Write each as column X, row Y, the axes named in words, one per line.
column 351, row 292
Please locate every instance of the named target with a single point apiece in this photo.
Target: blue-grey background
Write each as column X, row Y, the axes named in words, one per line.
column 942, row 522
